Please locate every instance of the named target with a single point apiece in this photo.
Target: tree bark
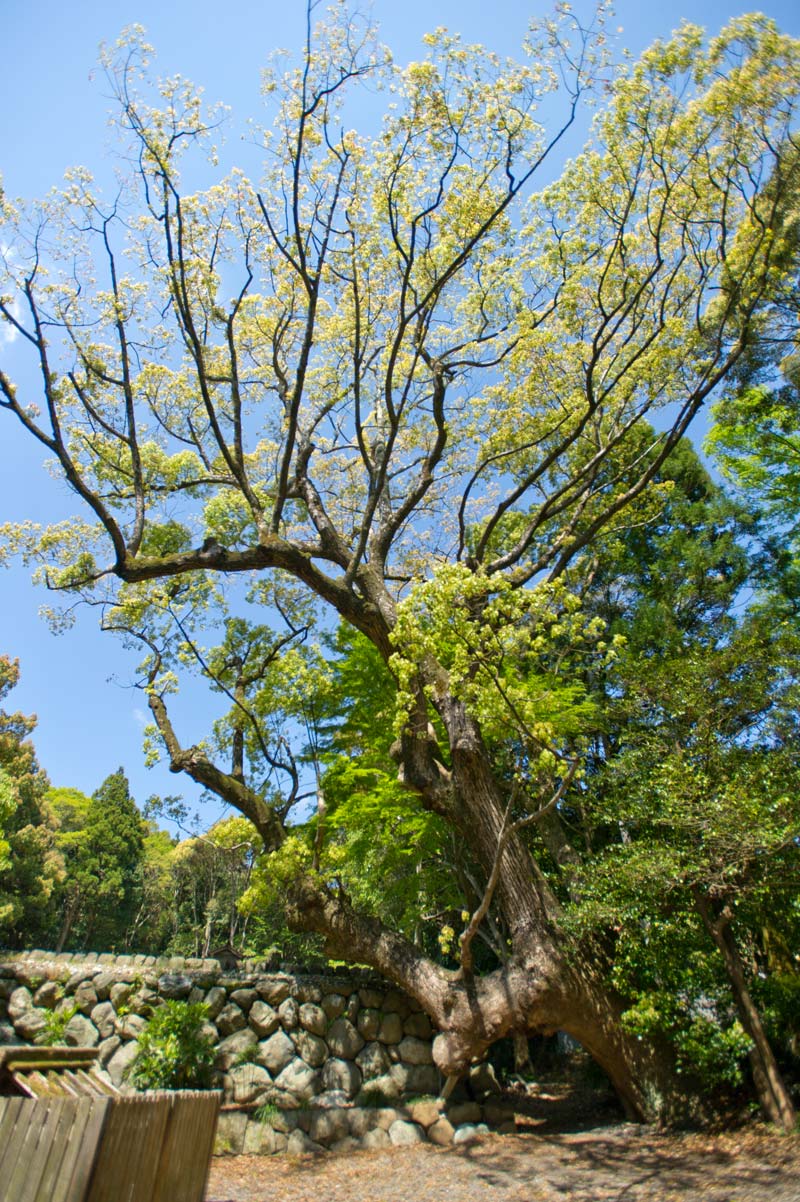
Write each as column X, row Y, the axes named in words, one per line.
column 547, row 984
column 66, row 926
column 773, row 1095
column 522, row 1055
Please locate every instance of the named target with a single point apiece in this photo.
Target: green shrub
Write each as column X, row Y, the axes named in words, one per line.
column 173, row 1053
column 711, row 1049
column 55, row 1022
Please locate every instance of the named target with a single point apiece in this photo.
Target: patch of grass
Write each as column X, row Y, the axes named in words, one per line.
column 246, row 1056
column 266, row 1113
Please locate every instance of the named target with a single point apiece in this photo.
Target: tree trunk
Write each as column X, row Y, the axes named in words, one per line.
column 547, row 984
column 208, row 931
column 522, row 1055
column 555, row 987
column 66, row 927
column 555, row 990
column 771, row 1089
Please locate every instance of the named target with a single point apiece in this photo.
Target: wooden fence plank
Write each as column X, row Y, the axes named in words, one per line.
column 52, row 1183
column 67, row 1149
column 98, row 1111
column 38, row 1084
column 24, row 1159
column 187, row 1147
column 73, row 1083
column 130, row 1152
column 11, row 1115
column 48, row 1116
column 23, row 1084
column 97, row 1084
column 52, row 1149
column 27, row 1059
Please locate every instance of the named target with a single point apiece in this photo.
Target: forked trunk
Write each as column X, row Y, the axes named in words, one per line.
column 548, row 984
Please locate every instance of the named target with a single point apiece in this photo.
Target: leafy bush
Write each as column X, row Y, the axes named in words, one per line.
column 173, row 1052
column 778, row 996
column 55, row 1022
column 707, row 1046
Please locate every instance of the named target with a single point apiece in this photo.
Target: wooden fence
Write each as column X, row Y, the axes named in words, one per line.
column 152, row 1147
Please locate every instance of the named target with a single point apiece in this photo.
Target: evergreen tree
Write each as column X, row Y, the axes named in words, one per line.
column 29, row 867
column 102, row 842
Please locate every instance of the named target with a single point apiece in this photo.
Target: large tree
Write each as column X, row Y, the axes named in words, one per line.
column 101, row 841
column 29, row 864
column 210, row 873
column 401, row 378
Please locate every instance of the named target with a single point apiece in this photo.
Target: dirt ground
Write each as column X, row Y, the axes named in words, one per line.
column 564, row 1154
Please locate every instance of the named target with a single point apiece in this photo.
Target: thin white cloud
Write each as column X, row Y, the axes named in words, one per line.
column 7, row 332
column 140, row 717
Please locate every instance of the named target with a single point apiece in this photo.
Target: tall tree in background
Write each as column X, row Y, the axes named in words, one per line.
column 688, row 814
column 754, row 436
column 30, row 868
column 153, row 918
column 101, row 840
column 116, row 832
column 68, row 813
column 395, row 374
column 210, row 874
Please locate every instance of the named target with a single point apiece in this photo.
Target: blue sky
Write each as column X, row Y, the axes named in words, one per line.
column 52, row 116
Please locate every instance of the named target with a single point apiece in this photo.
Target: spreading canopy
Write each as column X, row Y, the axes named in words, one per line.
column 393, row 352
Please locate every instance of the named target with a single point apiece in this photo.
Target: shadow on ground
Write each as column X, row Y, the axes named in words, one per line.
column 572, row 1146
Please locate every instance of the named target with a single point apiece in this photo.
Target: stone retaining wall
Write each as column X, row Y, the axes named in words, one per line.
column 320, row 1128
column 305, row 1060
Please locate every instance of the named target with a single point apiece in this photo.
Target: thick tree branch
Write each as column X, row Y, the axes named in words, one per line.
column 228, row 787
